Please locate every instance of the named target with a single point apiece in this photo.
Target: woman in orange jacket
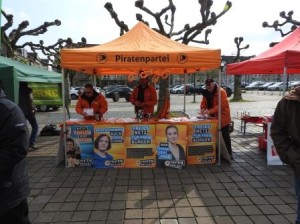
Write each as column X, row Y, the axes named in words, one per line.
column 209, row 106
column 90, row 104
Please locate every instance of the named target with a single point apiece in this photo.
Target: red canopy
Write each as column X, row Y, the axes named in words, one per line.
column 273, row 61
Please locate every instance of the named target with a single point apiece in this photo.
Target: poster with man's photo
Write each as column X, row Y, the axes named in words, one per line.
column 108, row 149
column 171, row 145
column 79, row 145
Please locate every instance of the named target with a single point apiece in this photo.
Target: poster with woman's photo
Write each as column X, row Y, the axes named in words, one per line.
column 139, row 145
column 79, row 145
column 202, row 138
column 171, row 145
column 109, row 146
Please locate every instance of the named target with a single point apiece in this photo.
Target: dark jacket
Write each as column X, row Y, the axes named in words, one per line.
column 285, row 129
column 14, row 185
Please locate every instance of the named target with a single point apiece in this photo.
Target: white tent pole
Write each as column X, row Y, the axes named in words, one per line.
column 64, row 113
column 184, row 92
column 219, row 118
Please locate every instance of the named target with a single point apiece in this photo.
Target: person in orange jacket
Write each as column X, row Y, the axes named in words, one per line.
column 144, row 97
column 90, row 104
column 209, row 106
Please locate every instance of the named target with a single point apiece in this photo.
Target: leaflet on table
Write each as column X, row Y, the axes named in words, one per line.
column 109, row 146
column 202, row 137
column 171, row 145
column 139, row 145
column 79, row 145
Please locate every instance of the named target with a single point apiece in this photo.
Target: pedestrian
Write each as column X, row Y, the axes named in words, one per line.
column 26, row 104
column 209, row 107
column 285, row 133
column 91, row 105
column 14, row 184
column 144, row 97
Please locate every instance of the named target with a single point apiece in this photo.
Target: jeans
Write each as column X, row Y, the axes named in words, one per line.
column 297, row 189
column 34, row 128
column 227, row 139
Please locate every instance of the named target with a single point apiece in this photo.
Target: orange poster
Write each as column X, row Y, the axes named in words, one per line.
column 109, row 146
column 171, row 145
column 139, row 145
column 202, row 137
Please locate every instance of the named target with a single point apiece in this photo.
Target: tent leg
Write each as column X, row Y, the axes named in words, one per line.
column 63, row 135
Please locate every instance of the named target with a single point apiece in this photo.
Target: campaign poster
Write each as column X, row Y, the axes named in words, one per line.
column 109, row 146
column 202, row 141
column 139, row 145
column 79, row 145
column 171, row 145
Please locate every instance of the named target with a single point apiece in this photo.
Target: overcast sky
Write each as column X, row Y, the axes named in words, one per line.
column 89, row 19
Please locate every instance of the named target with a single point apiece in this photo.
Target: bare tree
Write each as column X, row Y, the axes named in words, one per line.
column 237, row 93
column 165, row 20
column 9, row 41
column 288, row 20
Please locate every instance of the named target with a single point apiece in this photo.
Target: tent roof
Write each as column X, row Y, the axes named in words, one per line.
column 26, row 73
column 141, row 48
column 284, row 54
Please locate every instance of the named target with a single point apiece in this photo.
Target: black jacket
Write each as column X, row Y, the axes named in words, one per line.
column 14, row 185
column 285, row 129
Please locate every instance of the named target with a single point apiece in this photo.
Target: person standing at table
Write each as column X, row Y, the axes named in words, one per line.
column 14, row 184
column 26, row 104
column 91, row 105
column 285, row 133
column 144, row 97
column 209, row 106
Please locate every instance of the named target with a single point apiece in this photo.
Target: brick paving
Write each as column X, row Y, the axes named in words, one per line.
column 245, row 191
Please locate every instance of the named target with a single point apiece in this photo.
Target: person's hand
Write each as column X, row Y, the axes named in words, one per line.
column 204, row 111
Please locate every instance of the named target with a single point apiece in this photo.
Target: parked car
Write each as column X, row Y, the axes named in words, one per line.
column 265, row 86
column 275, row 86
column 175, row 88
column 119, row 91
column 196, row 89
column 294, row 84
column 254, row 85
column 74, row 92
column 45, row 108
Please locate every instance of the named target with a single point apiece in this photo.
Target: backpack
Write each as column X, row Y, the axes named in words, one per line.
column 50, row 130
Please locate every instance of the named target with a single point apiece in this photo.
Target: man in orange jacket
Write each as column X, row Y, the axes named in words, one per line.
column 209, row 106
column 90, row 104
column 144, row 97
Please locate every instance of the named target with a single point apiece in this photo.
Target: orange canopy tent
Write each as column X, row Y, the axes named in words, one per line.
column 140, row 49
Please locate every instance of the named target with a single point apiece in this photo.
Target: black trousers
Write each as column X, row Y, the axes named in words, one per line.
column 227, row 139
column 16, row 215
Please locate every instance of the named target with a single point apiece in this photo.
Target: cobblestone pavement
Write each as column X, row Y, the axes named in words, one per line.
column 245, row 191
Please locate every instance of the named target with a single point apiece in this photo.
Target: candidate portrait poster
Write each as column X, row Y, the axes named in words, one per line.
column 139, row 145
column 109, row 146
column 201, row 140
column 171, row 145
column 79, row 143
